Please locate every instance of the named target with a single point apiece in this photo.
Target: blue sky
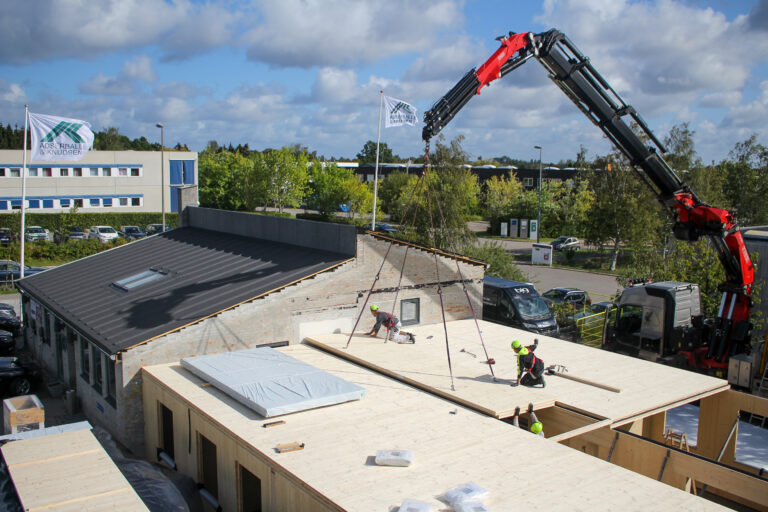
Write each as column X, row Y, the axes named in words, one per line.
column 308, row 72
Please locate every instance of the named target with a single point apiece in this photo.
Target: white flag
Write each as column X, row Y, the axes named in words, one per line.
column 399, row 113
column 59, row 138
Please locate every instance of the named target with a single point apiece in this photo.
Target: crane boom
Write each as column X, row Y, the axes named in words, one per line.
column 574, row 74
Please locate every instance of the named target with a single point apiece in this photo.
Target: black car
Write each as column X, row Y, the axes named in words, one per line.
column 17, row 377
column 10, row 322
column 69, row 233
column 131, row 232
column 7, row 342
column 6, row 236
column 569, row 296
column 11, row 271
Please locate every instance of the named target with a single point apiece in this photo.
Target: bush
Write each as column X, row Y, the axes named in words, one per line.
column 500, row 263
column 45, row 253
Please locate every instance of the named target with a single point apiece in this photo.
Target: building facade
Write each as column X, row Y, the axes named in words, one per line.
column 122, row 181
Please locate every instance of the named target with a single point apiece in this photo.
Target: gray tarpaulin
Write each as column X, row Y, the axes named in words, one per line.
column 271, row 382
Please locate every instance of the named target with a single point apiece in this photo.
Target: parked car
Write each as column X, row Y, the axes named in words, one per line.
column 7, row 307
column 102, row 233
column 153, row 229
column 6, row 236
column 35, row 234
column 17, row 377
column 7, row 342
column 9, row 322
column 385, row 228
column 562, row 243
column 518, row 305
column 11, row 271
column 69, row 233
column 132, row 232
column 578, row 299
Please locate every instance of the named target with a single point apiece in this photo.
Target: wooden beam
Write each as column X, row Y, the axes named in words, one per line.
column 579, row 431
column 588, row 382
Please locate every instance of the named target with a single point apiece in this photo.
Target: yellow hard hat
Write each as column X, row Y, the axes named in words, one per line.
column 537, row 427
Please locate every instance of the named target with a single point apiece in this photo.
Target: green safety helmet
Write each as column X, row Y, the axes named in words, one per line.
column 374, row 307
column 537, row 427
column 516, row 345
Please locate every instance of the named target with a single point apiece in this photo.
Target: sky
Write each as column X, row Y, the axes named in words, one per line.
column 277, row 73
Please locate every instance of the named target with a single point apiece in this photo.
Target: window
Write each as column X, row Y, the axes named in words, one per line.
column 45, row 328
column 106, row 171
column 166, row 430
column 85, row 361
column 64, row 203
column 32, row 172
column 47, row 172
column 249, row 491
column 16, row 204
column 2, row 172
column 409, row 311
column 528, row 182
column 122, row 171
column 135, row 201
column 94, row 171
column 78, row 203
column 34, row 203
column 94, row 202
column 107, row 202
column 3, row 205
column 15, row 172
column 77, row 171
column 47, row 203
column 63, row 172
column 123, row 201
column 96, row 364
column 207, row 466
column 110, row 377
column 140, row 279
column 134, row 171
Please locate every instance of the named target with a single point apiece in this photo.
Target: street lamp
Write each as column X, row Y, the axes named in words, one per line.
column 162, row 173
column 538, row 215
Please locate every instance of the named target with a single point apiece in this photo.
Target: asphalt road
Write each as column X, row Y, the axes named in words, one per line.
column 601, row 287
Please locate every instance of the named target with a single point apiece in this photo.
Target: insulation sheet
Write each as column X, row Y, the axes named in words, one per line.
column 271, row 382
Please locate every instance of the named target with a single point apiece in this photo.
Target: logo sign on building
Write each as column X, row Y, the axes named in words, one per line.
column 59, row 138
column 399, row 113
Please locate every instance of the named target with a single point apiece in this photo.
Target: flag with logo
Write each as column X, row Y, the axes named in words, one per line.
column 59, row 138
column 399, row 113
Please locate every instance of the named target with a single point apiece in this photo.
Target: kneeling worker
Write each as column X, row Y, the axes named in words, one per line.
column 391, row 323
column 530, row 369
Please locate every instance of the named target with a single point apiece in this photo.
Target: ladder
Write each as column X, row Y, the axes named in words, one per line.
column 761, row 391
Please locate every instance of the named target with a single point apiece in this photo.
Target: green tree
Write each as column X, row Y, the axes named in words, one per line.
column 393, row 192
column 284, row 176
column 500, row 196
column 111, row 140
column 328, row 187
column 624, row 210
column 368, row 154
column 745, row 186
column 501, row 264
column 445, row 197
column 220, row 179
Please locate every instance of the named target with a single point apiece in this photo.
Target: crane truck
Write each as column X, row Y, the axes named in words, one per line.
column 727, row 335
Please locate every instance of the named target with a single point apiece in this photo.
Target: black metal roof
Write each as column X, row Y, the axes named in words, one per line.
column 207, row 272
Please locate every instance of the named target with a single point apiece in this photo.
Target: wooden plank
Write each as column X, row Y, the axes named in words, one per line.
column 68, row 471
column 628, row 388
column 580, row 431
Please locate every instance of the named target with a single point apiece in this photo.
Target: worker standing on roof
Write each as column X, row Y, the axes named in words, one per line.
column 534, row 425
column 391, row 323
column 530, row 369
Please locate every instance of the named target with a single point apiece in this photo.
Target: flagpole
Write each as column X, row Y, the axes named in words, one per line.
column 23, row 191
column 376, row 172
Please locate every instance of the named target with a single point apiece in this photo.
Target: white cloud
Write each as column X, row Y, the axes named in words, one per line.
column 11, row 92
column 316, row 33
column 139, row 68
column 108, row 85
column 721, row 99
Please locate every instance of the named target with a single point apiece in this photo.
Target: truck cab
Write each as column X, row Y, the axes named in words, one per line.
column 518, row 305
column 656, row 321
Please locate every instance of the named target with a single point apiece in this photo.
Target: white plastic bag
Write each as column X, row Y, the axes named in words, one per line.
column 402, row 458
column 415, row 506
column 471, row 506
column 467, row 492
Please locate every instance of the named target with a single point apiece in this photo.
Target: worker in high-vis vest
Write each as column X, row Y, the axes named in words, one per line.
column 534, row 425
column 530, row 369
